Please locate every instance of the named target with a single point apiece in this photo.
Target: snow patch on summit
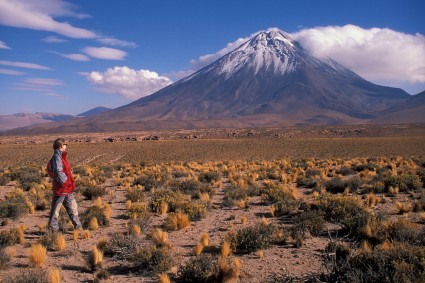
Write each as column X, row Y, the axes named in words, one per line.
column 269, row 50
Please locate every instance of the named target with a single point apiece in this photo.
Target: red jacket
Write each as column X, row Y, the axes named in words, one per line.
column 61, row 172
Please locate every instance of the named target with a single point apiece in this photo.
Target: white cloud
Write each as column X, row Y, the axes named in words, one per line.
column 24, row 65
column 54, row 39
column 105, row 53
column 43, row 82
column 73, row 56
column 11, row 72
column 377, row 54
column 3, row 45
column 38, row 15
column 116, row 42
column 127, row 82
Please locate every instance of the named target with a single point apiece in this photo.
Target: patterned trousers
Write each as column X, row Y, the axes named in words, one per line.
column 71, row 207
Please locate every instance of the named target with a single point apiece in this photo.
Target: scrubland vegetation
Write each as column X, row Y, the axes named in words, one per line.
column 354, row 219
column 369, row 211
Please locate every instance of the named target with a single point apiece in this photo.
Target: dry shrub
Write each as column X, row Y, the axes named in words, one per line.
column 195, row 210
column 60, row 243
column 176, row 221
column 135, row 195
column 175, row 199
column 37, row 255
column 121, row 246
column 86, row 234
column 92, row 192
column 311, row 221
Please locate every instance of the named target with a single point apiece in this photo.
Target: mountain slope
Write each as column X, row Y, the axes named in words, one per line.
column 270, row 80
column 412, row 111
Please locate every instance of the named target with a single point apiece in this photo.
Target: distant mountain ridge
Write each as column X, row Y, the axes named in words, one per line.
column 9, row 122
column 94, row 111
column 270, row 80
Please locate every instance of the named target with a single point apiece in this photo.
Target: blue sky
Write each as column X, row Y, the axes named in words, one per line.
column 71, row 56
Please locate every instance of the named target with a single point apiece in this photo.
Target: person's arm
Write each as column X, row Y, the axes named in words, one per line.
column 60, row 176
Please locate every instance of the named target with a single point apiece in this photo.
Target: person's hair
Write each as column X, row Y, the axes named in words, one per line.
column 58, row 143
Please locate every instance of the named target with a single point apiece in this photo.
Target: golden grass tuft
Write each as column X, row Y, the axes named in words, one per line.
column 198, row 249
column 55, row 275
column 37, row 255
column 136, row 230
column 204, row 239
column 225, row 249
column 128, row 204
column 159, row 237
column 95, row 258
column 98, row 202
column 86, row 234
column 75, row 234
column 244, row 220
column 93, row 225
column 60, row 243
column 164, row 208
column 108, row 211
column 260, row 254
column 10, row 251
column 163, row 278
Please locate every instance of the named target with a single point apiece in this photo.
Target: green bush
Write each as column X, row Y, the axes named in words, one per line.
column 345, row 210
column 94, row 211
column 92, row 192
column 208, row 177
column 195, row 210
column 232, row 194
column 311, row 221
column 396, row 263
column 152, row 258
column 13, row 207
column 121, row 246
column 28, row 276
column 174, row 200
column 202, row 268
column 27, row 177
column 251, row 239
column 4, row 259
column 405, row 182
column 9, row 237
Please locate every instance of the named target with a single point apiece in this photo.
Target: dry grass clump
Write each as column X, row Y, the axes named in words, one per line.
column 59, row 243
column 55, row 275
column 403, row 207
column 93, row 192
column 174, row 199
column 36, row 275
column 135, row 194
column 37, row 255
column 153, row 258
column 176, row 221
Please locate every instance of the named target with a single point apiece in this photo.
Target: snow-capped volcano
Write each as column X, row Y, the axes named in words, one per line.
column 269, row 80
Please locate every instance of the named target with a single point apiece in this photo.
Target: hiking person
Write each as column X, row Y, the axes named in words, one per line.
column 60, row 171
